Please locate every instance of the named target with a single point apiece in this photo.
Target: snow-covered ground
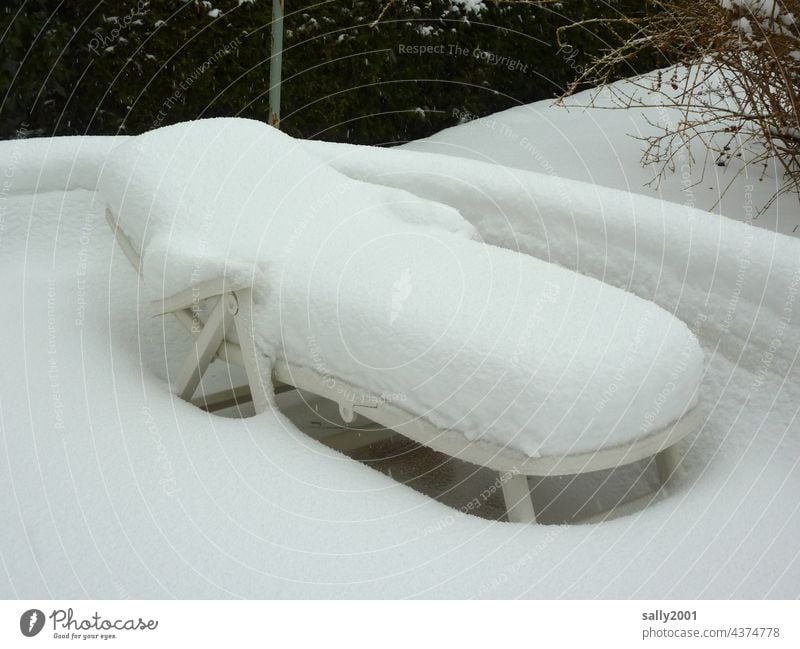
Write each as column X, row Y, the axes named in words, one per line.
column 114, row 488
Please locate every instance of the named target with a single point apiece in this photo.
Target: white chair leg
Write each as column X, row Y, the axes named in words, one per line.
column 667, row 462
column 517, row 494
column 203, row 352
column 259, row 379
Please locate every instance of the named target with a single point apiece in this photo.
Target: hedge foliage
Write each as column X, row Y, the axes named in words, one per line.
column 128, row 66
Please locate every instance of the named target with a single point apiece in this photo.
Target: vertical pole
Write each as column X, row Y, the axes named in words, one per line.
column 258, row 377
column 517, row 494
column 667, row 462
column 275, row 63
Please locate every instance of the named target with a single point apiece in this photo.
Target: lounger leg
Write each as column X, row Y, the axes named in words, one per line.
column 666, row 462
column 517, row 494
column 260, row 381
column 203, row 352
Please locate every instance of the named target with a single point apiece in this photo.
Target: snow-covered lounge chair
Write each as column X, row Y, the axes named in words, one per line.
column 390, row 306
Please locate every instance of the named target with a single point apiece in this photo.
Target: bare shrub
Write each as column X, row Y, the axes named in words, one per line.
column 733, row 76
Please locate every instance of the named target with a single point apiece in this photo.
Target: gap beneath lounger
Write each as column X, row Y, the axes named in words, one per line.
column 465, row 486
column 588, row 497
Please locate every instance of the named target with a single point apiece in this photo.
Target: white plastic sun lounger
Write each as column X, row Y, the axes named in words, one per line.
column 223, row 307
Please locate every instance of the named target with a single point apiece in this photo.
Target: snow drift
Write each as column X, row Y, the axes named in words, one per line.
column 172, row 502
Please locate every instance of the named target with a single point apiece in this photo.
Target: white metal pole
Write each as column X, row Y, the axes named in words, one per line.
column 275, row 62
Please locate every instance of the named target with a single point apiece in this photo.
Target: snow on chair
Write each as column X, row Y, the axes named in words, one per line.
column 308, row 279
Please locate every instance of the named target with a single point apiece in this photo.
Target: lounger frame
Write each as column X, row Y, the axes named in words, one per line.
column 227, row 333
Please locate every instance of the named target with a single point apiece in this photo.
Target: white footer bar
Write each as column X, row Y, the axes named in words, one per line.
column 402, row 624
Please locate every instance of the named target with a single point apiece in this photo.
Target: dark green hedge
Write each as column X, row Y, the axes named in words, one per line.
column 129, row 66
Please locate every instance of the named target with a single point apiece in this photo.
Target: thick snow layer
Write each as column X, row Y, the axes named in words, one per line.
column 113, row 488
column 706, row 269
column 384, row 290
column 604, row 146
column 232, row 196
column 53, row 164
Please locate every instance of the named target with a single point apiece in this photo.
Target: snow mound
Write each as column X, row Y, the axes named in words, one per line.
column 390, row 291
column 590, row 138
column 223, row 197
column 53, row 164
